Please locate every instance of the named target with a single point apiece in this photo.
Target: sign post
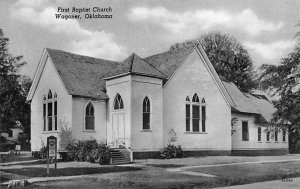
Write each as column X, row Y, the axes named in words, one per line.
column 52, row 151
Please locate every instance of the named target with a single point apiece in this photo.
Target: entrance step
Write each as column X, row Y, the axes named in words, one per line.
column 117, row 157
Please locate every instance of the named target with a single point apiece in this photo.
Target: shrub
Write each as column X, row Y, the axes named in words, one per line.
column 89, row 150
column 7, row 146
column 42, row 154
column 171, row 151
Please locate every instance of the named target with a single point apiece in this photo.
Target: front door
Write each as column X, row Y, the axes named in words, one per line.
column 118, row 129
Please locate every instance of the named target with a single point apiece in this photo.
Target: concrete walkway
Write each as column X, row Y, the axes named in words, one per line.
column 293, row 183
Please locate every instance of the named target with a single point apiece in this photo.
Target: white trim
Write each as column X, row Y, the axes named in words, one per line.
column 150, row 118
column 38, row 74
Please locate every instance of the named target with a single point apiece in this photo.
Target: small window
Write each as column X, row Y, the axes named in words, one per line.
column 146, row 113
column 276, row 135
column 89, row 117
column 284, row 135
column 118, row 104
column 268, row 136
column 259, row 134
column 195, row 98
column 203, row 100
column 187, row 99
column 245, row 131
column 10, row 133
column 49, row 94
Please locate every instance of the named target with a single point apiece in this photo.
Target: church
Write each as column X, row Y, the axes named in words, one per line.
column 135, row 103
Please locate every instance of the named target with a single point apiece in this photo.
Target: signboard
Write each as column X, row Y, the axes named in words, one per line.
column 52, row 147
column 52, row 151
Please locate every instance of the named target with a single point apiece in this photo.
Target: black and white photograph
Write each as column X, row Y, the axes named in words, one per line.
column 130, row 94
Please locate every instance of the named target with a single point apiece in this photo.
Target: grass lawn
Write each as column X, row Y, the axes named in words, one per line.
column 5, row 158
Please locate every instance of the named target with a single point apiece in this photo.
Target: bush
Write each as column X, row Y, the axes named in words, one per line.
column 171, row 151
column 5, row 147
column 89, row 150
column 42, row 154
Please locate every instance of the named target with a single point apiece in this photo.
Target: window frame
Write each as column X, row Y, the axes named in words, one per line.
column 245, row 138
column 50, row 117
column 259, row 134
column 191, row 119
column 284, row 135
column 146, row 113
column 89, row 116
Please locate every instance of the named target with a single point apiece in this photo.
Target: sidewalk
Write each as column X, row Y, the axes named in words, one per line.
column 293, row 183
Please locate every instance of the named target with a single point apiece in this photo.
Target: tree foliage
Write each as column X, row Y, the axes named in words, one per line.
column 229, row 58
column 13, row 89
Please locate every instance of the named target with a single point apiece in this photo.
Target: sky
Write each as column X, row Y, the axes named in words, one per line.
column 266, row 28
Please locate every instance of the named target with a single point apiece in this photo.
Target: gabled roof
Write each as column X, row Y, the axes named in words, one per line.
column 168, row 62
column 135, row 65
column 82, row 75
column 250, row 103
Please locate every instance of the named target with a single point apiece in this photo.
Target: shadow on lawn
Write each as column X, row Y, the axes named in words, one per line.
column 42, row 172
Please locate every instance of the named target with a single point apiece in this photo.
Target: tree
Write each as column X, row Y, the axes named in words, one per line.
column 229, row 58
column 284, row 81
column 13, row 90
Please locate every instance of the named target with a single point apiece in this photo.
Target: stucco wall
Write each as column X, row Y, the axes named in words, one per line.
column 253, row 143
column 122, row 86
column 193, row 77
column 146, row 139
column 78, row 129
column 49, row 80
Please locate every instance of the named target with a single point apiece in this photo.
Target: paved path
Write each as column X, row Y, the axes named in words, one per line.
column 293, row 183
column 184, row 170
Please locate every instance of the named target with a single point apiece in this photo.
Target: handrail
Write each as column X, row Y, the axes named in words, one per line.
column 125, row 145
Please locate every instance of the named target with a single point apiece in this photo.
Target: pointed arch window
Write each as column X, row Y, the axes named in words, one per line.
column 187, row 113
column 50, row 112
column 146, row 113
column 49, row 94
column 118, row 103
column 195, row 114
column 89, row 117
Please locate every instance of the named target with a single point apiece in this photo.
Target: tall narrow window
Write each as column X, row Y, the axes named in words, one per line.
column 187, row 114
column 44, row 116
column 55, row 115
column 50, row 116
column 276, row 135
column 259, row 134
column 49, row 94
column 89, row 117
column 283, row 135
column 196, row 113
column 146, row 113
column 118, row 103
column 203, row 115
column 268, row 136
column 245, row 131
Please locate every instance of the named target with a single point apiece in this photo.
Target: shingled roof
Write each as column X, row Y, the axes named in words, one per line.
column 135, row 65
column 250, row 103
column 168, row 62
column 82, row 75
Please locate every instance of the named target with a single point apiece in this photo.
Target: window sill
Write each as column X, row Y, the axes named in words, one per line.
column 146, row 130
column 268, row 142
column 284, row 142
column 276, row 142
column 89, row 131
column 49, row 132
column 259, row 141
column 190, row 132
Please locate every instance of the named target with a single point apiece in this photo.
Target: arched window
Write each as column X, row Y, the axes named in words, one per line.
column 187, row 114
column 89, row 117
column 118, row 104
column 203, row 115
column 196, row 113
column 49, row 94
column 195, row 98
column 146, row 113
column 50, row 112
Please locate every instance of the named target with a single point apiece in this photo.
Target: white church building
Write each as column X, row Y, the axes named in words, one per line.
column 136, row 102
